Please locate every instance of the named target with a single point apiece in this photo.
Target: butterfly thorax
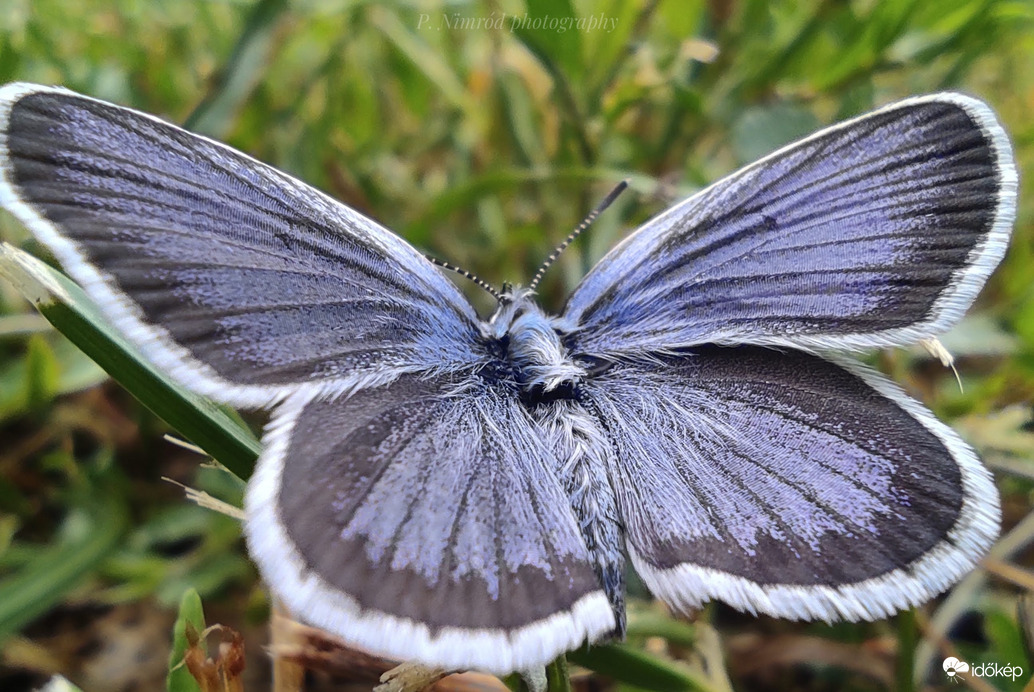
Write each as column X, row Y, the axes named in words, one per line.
column 540, row 361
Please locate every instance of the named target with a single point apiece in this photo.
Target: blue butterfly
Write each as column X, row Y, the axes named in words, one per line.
column 465, row 493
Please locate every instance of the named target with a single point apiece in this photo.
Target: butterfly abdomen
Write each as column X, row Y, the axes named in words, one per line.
column 580, row 448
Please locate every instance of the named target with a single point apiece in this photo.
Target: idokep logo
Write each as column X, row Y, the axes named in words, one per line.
column 956, row 670
column 953, row 668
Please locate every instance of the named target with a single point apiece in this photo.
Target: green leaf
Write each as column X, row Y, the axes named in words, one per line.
column 908, row 632
column 654, row 624
column 637, row 668
column 210, row 576
column 549, row 29
column 1006, row 640
column 760, row 131
column 41, row 373
column 73, row 314
column 191, row 612
column 503, row 179
column 521, row 120
column 557, row 677
column 90, row 532
column 559, row 49
column 426, row 59
column 246, row 66
column 24, row 379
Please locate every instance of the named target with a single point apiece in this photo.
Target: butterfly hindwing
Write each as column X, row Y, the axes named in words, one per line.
column 878, row 231
column 424, row 519
column 242, row 282
column 788, row 484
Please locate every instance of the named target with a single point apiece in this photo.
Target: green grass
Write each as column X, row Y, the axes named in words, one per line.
column 485, row 147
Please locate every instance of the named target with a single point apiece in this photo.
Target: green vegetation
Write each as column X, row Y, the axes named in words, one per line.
column 483, row 141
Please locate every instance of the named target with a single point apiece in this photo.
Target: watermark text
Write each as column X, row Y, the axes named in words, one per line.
column 502, row 21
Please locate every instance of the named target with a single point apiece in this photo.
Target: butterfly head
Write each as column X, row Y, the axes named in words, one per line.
column 533, row 347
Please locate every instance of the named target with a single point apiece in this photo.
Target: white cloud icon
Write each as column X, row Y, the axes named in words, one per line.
column 953, row 666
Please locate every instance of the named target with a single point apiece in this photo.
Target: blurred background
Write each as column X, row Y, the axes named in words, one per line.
column 484, row 141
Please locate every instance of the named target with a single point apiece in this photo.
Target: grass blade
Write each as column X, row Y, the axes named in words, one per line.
column 93, row 529
column 73, row 314
column 242, row 72
column 191, row 613
column 637, row 668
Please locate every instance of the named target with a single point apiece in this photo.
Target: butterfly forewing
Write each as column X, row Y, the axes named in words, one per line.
column 423, row 519
column 243, row 282
column 875, row 232
column 787, row 484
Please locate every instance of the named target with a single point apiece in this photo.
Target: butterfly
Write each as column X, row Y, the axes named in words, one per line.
column 466, row 492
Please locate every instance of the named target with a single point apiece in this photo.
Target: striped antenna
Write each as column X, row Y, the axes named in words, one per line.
column 607, row 201
column 464, row 273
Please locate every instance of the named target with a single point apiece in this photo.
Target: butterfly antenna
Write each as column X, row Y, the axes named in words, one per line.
column 607, row 201
column 464, row 273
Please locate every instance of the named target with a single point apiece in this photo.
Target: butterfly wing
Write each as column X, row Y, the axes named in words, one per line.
column 424, row 520
column 242, row 282
column 788, row 484
column 875, row 232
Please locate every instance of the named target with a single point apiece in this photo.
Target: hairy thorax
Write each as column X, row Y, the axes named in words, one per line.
column 538, row 358
column 549, row 380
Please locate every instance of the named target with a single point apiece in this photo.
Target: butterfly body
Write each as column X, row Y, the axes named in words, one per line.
column 581, row 450
column 464, row 493
column 547, row 378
